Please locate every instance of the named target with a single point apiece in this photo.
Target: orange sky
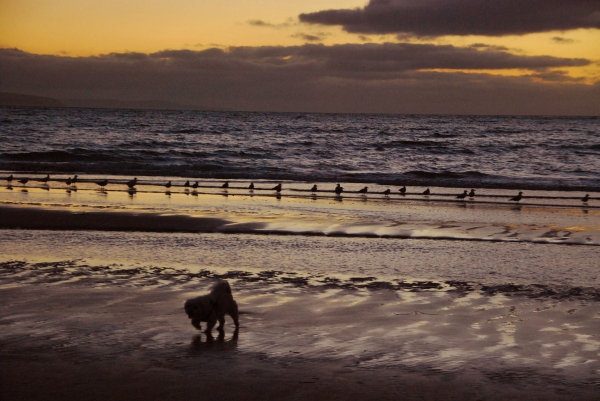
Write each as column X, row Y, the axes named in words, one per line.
column 92, row 27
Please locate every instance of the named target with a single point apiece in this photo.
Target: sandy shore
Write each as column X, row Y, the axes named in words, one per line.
column 91, row 340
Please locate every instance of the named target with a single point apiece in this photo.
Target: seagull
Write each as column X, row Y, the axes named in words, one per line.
column 363, row 191
column 403, row 190
column 9, row 179
column 168, row 185
column 339, row 189
column 314, row 188
column 517, row 198
column 75, row 179
column 187, row 184
column 251, row 186
column 427, row 192
column 102, row 183
column 387, row 192
column 226, row 185
column 132, row 183
column 463, row 195
column 45, row 179
column 472, row 193
column 585, row 198
column 68, row 181
column 195, row 185
column 277, row 187
column 23, row 181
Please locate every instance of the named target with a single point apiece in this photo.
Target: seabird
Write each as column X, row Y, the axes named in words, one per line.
column 463, row 195
column 23, row 181
column 403, row 190
column 187, row 184
column 68, row 181
column 363, row 191
column 427, row 192
column 517, row 198
column 387, row 192
column 251, row 186
column 168, row 185
column 45, row 179
column 339, row 189
column 472, row 193
column 132, row 183
column 585, row 198
column 195, row 185
column 75, row 179
column 277, row 187
column 226, row 185
column 102, row 183
column 314, row 188
column 9, row 179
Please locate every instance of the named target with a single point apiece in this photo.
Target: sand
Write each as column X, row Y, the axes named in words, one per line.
column 85, row 339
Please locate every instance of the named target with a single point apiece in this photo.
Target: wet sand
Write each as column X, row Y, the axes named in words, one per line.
column 88, row 339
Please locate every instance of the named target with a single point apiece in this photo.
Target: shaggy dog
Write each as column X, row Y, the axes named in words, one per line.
column 213, row 307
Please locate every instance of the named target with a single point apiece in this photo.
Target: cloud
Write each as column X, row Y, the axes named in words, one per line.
column 462, row 17
column 264, row 24
column 307, row 37
column 558, row 39
column 387, row 78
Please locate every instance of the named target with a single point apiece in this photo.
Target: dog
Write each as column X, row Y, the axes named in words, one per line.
column 213, row 307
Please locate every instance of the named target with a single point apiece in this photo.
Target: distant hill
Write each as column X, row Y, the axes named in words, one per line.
column 128, row 104
column 17, row 99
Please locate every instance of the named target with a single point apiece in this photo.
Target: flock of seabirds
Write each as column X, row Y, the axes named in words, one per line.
column 70, row 182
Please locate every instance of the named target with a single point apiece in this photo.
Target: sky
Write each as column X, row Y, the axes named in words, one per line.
column 388, row 56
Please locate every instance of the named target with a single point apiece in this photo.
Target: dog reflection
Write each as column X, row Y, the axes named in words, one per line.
column 210, row 342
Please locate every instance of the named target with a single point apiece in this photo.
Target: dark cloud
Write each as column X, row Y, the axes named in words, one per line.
column 389, row 78
column 462, row 17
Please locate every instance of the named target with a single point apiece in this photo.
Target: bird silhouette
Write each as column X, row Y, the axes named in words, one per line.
column 9, row 179
column 74, row 179
column 427, row 192
column 195, row 185
column 102, row 183
column 463, row 195
column 45, row 179
column 226, row 185
column 68, row 181
column 585, row 198
column 277, row 187
column 517, row 198
column 168, row 185
column 23, row 181
column 132, row 183
column 314, row 188
column 251, row 186
column 387, row 192
column 403, row 190
column 339, row 189
column 472, row 193
column 187, row 184
column 363, row 191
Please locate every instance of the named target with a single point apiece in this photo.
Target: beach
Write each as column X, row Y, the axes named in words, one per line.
column 373, row 297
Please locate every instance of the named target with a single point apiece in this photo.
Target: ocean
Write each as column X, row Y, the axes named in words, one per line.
column 537, row 153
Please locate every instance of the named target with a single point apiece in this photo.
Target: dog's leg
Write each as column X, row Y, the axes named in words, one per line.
column 196, row 323
column 221, row 321
column 210, row 324
column 234, row 314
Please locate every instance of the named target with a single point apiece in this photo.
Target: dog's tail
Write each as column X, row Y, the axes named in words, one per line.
column 221, row 286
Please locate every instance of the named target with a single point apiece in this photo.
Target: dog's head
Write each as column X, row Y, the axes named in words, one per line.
column 191, row 309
